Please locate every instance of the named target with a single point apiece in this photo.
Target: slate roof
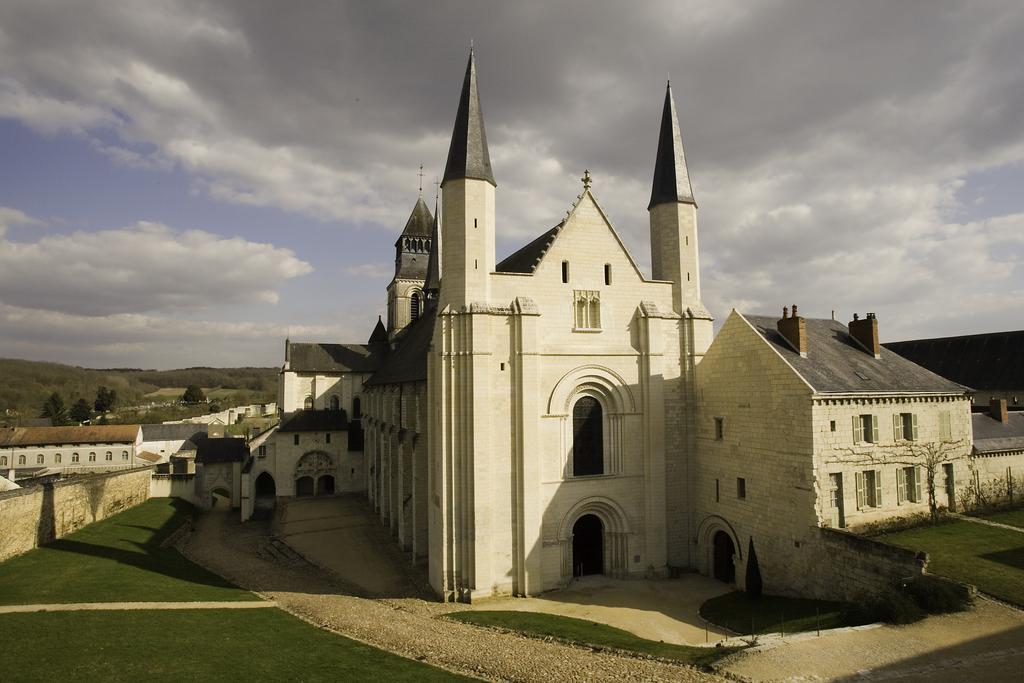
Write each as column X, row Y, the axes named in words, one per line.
column 526, row 259
column 981, row 361
column 671, row 178
column 173, row 432
column 837, row 364
column 57, row 436
column 468, row 156
column 220, row 449
column 432, row 281
column 419, row 223
column 380, row 333
column 305, row 357
column 314, row 421
column 991, row 435
column 407, row 362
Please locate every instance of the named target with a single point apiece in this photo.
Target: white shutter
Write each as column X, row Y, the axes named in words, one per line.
column 945, row 432
column 901, row 485
column 861, row 501
column 878, row 488
column 874, row 429
column 857, row 435
column 897, row 427
column 913, row 418
column 917, row 479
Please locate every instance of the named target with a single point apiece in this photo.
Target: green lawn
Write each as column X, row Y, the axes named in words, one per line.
column 988, row 557
column 206, row 645
column 771, row 614
column 1013, row 518
column 591, row 633
column 116, row 560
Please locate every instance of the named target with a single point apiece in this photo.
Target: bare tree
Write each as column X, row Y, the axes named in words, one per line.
column 928, row 455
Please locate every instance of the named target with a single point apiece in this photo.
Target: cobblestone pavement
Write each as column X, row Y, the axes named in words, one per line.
column 408, row 626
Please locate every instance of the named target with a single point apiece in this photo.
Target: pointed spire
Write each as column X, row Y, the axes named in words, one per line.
column 432, row 286
column 468, row 156
column 419, row 221
column 380, row 333
column 671, row 179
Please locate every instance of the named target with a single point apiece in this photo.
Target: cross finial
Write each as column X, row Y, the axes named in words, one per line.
column 437, row 188
column 420, row 174
column 586, row 179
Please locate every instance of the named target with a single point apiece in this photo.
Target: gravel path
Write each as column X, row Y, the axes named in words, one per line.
column 91, row 606
column 986, row 522
column 408, row 626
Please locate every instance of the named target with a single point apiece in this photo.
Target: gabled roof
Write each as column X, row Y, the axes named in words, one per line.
column 671, row 177
column 981, row 361
column 304, row 357
column 314, row 421
column 468, row 156
column 835, row 363
column 220, row 449
column 407, row 362
column 526, row 259
column 991, row 435
column 58, row 436
column 173, row 432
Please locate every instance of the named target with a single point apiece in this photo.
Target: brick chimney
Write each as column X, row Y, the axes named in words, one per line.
column 865, row 333
column 794, row 330
column 997, row 409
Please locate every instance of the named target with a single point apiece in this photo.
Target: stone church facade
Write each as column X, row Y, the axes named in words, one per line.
column 517, row 423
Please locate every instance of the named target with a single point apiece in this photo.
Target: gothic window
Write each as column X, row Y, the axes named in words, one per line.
column 414, row 305
column 357, row 411
column 335, row 403
column 587, row 437
column 586, row 310
column 308, row 403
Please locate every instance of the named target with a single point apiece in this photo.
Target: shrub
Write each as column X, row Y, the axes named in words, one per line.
column 892, row 607
column 754, row 584
column 938, row 596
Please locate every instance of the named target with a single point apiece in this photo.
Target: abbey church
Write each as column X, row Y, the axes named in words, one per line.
column 558, row 413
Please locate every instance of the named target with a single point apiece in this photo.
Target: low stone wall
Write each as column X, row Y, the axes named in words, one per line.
column 851, row 567
column 173, row 486
column 38, row 515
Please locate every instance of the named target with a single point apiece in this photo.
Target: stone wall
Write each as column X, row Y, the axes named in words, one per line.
column 38, row 515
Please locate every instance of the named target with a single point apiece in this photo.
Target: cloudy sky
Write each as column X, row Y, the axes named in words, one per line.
column 185, row 182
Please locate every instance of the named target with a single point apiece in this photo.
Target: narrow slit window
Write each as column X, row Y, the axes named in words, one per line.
column 565, row 271
column 607, row 273
column 474, row 222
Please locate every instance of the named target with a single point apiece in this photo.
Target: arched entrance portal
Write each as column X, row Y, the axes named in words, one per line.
column 325, row 485
column 304, row 486
column 724, row 550
column 587, row 546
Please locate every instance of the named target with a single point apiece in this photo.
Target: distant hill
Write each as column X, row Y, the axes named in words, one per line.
column 24, row 385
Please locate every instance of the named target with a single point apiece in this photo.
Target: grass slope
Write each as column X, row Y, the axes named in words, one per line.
column 591, row 633
column 771, row 614
column 988, row 557
column 118, row 559
column 207, row 645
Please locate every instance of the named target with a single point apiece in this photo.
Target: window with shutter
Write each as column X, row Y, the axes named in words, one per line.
column 857, row 431
column 897, row 427
column 874, row 429
column 917, row 485
column 901, row 486
column 877, row 502
column 861, row 498
column 945, row 432
column 913, row 434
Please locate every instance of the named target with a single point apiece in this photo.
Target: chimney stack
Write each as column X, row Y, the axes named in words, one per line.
column 865, row 333
column 794, row 330
column 997, row 409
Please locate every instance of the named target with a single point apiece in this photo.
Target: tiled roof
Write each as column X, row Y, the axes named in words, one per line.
column 407, row 362
column 314, row 421
column 220, row 449
column 835, row 363
column 147, row 456
column 980, row 361
column 56, row 436
column 172, row 432
column 992, row 435
column 305, row 357
column 525, row 260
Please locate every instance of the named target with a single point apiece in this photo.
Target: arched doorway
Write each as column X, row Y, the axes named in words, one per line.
column 325, row 485
column 724, row 550
column 587, row 546
column 220, row 499
column 304, row 486
column 265, row 491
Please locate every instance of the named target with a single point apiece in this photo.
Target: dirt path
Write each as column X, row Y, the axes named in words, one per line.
column 94, row 606
column 408, row 626
column 983, row 644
